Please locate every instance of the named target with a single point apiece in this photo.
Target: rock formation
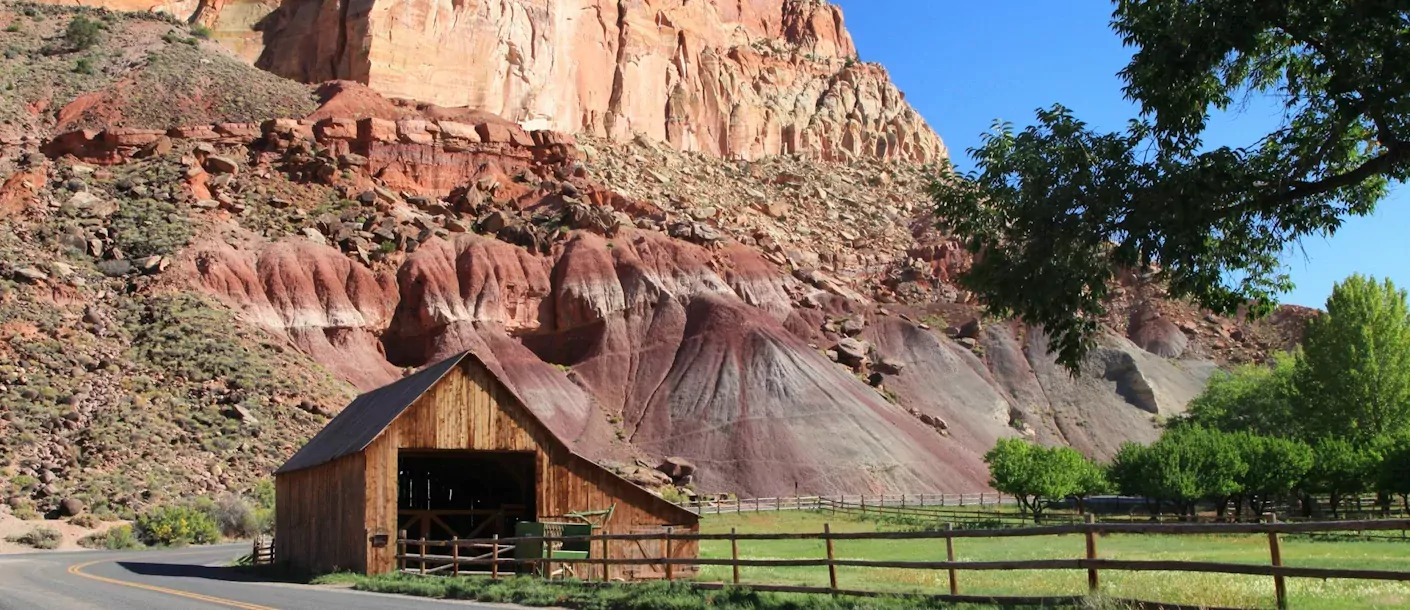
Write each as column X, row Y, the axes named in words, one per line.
column 737, row 79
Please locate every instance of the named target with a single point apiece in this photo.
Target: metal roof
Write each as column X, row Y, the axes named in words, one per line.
column 362, row 421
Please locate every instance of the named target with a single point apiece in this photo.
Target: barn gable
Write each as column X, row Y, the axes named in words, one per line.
column 454, row 429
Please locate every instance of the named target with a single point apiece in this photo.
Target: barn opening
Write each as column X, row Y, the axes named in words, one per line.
column 464, row 494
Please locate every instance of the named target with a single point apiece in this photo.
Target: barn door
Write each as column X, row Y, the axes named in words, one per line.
column 656, row 549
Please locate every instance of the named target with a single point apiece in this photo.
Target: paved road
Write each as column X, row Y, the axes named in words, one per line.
column 182, row 578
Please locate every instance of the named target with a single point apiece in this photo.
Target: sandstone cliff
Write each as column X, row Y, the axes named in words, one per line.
column 735, row 79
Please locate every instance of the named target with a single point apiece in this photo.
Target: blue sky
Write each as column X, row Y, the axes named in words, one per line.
column 964, row 64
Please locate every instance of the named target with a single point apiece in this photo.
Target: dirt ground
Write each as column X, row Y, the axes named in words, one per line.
column 11, row 525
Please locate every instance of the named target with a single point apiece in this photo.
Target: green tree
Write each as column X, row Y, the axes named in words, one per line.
column 1355, row 377
column 1252, row 398
column 1339, row 468
column 1187, row 465
column 1090, row 480
column 1393, row 476
column 1054, row 210
column 1275, row 468
column 1036, row 476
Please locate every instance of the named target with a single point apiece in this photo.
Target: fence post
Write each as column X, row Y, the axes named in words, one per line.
column 455, row 555
column 950, row 557
column 548, row 559
column 606, row 569
column 401, row 550
column 494, row 558
column 1092, row 580
column 254, row 552
column 864, row 507
column 903, row 501
column 831, row 558
column 423, row 555
column 670, row 569
column 1275, row 549
column 734, row 554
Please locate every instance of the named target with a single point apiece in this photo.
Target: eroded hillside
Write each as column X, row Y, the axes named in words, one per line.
column 186, row 299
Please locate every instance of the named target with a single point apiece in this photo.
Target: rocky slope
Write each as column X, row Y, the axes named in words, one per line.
column 185, row 301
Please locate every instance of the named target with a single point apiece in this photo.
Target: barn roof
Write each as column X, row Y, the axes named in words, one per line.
column 366, row 417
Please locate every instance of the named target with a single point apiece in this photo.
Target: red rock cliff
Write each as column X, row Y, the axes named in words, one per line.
column 736, row 78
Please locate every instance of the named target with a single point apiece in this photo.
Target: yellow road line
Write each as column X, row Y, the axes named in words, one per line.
column 77, row 570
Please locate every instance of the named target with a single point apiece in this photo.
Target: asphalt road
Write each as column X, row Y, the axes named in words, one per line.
column 189, row 578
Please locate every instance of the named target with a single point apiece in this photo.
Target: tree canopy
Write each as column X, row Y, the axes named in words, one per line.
column 1056, row 209
column 1354, row 380
column 1038, row 476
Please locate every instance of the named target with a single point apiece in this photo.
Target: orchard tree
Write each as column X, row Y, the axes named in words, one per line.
column 1252, row 398
column 1055, row 210
column 1275, row 468
column 1039, row 476
column 1354, row 380
column 1393, row 476
column 1339, row 468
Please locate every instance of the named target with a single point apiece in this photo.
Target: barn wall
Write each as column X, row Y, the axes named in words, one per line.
column 469, row 409
column 319, row 516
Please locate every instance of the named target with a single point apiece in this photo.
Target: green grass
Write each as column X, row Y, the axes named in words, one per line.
column 637, row 596
column 1187, row 588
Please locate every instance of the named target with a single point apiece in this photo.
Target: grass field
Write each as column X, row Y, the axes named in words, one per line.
column 1187, row 588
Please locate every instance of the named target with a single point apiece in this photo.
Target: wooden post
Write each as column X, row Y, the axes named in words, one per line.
column 494, row 558
column 1275, row 549
column 254, row 553
column 670, row 569
column 864, row 507
column 606, row 569
column 734, row 553
column 455, row 555
column 1092, row 582
column 548, row 559
column 423, row 555
column 831, row 558
column 401, row 550
column 950, row 557
column 981, row 499
column 903, row 502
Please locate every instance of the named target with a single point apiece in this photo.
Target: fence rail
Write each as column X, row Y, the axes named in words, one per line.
column 760, row 505
column 262, row 552
column 1090, row 561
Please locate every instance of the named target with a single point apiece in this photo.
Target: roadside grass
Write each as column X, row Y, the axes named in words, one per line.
column 596, row 596
column 1171, row 587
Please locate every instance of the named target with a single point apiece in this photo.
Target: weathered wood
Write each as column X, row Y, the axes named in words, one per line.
column 831, row 557
column 423, row 555
column 1092, row 582
column 734, row 553
column 327, row 514
column 666, row 552
column 1275, row 550
column 494, row 556
column 950, row 556
column 455, row 555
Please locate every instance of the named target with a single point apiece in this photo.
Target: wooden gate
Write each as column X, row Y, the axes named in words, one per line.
column 656, row 549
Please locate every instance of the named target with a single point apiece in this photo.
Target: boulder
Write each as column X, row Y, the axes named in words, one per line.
column 70, row 507
column 676, row 467
column 852, row 352
column 217, row 164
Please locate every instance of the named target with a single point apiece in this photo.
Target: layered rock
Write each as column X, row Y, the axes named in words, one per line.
column 738, row 79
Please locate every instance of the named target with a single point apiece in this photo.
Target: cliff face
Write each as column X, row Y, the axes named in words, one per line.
column 734, row 79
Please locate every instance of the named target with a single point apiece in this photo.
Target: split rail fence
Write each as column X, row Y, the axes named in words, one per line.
column 262, row 552
column 490, row 554
column 762, row 505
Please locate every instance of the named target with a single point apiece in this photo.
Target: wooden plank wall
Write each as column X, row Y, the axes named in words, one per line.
column 469, row 409
column 319, row 516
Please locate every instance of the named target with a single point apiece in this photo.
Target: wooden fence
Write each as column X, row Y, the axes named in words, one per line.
column 760, row 505
column 1090, row 560
column 262, row 552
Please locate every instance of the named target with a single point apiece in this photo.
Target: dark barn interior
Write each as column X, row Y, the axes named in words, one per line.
column 464, row 494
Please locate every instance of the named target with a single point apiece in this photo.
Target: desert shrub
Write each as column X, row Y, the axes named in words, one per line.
column 83, row 66
column 176, row 526
column 201, row 31
column 85, row 521
column 39, row 538
column 82, row 33
column 115, row 538
column 235, row 516
column 144, row 227
column 13, row 27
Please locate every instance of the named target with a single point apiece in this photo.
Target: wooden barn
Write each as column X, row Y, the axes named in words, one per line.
column 450, row 451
